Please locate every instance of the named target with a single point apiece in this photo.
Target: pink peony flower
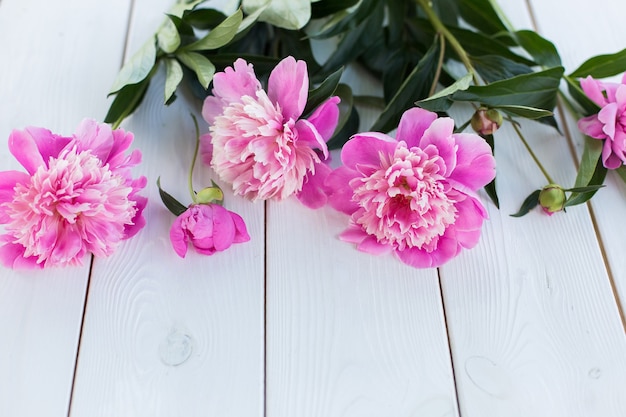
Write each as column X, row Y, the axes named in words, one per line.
column 77, row 196
column 414, row 195
column 610, row 123
column 209, row 228
column 258, row 141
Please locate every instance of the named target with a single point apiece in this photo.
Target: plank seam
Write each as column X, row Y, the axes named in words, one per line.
column 572, row 149
column 265, row 256
column 445, row 323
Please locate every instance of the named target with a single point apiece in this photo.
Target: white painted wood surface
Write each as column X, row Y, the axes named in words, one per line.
column 296, row 323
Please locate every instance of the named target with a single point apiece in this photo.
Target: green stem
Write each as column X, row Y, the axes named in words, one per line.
column 442, row 52
column 442, row 29
column 530, row 151
column 193, row 161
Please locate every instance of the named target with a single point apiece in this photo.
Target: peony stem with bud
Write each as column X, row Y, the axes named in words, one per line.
column 193, row 160
column 530, row 151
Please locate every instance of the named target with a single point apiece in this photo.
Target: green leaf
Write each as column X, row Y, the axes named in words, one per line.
column 286, row 14
column 344, row 92
column 138, row 67
column 346, row 22
column 585, row 189
column 530, row 203
column 126, row 101
column 173, row 205
column 590, row 173
column 491, row 187
column 180, row 7
column 481, row 15
column 414, row 87
column 325, row 8
column 220, row 36
column 320, row 94
column 441, row 101
column 168, row 38
column 201, row 65
column 173, row 77
column 349, row 128
column 493, row 68
column 525, row 111
column 204, row 19
column 602, row 66
column 537, row 90
column 543, row 51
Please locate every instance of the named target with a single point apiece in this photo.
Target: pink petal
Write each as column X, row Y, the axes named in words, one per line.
column 23, row 144
column 325, row 117
column 353, row 234
column 475, row 164
column 211, row 108
column 593, row 89
column 8, row 180
column 592, row 127
column 307, row 134
column 609, row 159
column 236, row 82
column 288, row 86
column 367, row 149
column 206, row 148
column 607, row 116
column 178, row 237
column 241, row 232
column 371, row 245
column 413, row 124
column 439, row 135
column 12, row 256
column 417, row 258
column 223, row 228
column 339, row 191
column 96, row 137
column 314, row 193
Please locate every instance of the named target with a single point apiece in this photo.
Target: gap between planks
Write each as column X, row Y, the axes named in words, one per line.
column 572, row 149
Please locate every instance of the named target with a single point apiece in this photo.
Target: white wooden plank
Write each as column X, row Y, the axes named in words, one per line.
column 165, row 336
column 349, row 334
column 533, row 323
column 46, row 80
column 604, row 34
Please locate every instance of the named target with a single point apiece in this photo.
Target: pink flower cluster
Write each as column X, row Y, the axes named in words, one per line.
column 609, row 124
column 258, row 141
column 77, row 196
column 414, row 195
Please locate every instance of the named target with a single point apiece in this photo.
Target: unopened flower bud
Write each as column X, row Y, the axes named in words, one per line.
column 486, row 121
column 210, row 195
column 552, row 198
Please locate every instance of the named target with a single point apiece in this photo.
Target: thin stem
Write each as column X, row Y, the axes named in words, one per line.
column 193, row 161
column 530, row 151
column 442, row 52
column 454, row 43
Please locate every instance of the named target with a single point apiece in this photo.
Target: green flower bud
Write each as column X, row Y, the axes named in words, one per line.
column 486, row 121
column 552, row 198
column 210, row 195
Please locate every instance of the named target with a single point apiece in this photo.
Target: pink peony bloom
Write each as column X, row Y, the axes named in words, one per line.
column 209, row 228
column 414, row 195
column 258, row 141
column 77, row 196
column 610, row 123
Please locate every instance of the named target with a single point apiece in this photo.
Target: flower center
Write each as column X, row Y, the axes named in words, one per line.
column 257, row 150
column 72, row 206
column 404, row 203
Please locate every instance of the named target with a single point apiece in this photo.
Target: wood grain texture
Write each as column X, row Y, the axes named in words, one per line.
column 533, row 324
column 166, row 336
column 349, row 334
column 46, row 80
column 604, row 34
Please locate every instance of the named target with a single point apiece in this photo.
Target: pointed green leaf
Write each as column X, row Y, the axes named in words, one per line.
column 138, row 66
column 588, row 106
column 591, row 172
column 204, row 19
column 493, row 68
column 543, row 51
column 173, row 77
column 414, row 87
column 491, row 187
column 325, row 8
column 602, row 66
column 350, row 127
column 126, row 101
column 530, row 203
column 320, row 94
column 220, row 36
column 525, row 111
column 481, row 15
column 441, row 101
column 173, row 205
column 621, row 171
column 286, row 14
column 168, row 38
column 201, row 65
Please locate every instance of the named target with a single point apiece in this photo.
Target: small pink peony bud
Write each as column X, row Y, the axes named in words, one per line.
column 552, row 198
column 486, row 121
